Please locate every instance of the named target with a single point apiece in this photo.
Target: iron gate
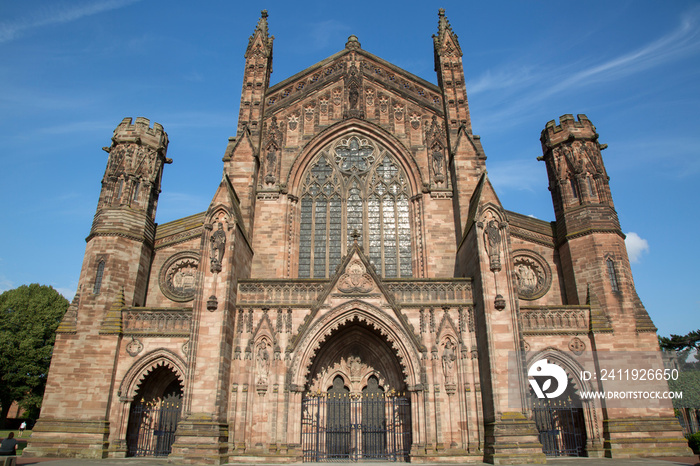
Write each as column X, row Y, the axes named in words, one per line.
column 561, row 426
column 152, row 428
column 356, row 427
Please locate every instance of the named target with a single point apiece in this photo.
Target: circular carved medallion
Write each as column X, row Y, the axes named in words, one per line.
column 178, row 276
column 577, row 346
column 532, row 274
column 134, row 347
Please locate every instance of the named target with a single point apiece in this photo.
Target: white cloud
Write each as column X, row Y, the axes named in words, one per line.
column 537, row 82
column 67, row 293
column 636, row 246
column 56, row 14
column 5, row 284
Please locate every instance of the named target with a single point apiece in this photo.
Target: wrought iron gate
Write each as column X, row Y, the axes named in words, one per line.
column 561, row 426
column 152, row 428
column 356, row 427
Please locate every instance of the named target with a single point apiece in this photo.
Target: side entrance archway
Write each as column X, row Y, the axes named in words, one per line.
column 154, row 414
column 560, row 421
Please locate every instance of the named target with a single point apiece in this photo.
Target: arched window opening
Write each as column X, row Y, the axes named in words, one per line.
column 591, row 189
column 613, row 275
column 355, row 189
column 574, row 191
column 98, row 277
column 135, row 197
column 120, row 187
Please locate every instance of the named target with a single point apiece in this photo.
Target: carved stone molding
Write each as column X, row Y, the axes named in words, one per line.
column 355, row 279
column 577, row 346
column 555, row 320
column 134, row 347
column 186, row 349
column 177, row 277
column 532, row 273
column 157, row 322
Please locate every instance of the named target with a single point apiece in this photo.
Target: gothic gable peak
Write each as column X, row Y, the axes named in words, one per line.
column 356, row 274
column 446, row 43
column 260, row 42
column 352, row 65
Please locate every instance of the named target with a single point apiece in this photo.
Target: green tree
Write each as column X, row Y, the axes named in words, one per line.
column 681, row 342
column 29, row 316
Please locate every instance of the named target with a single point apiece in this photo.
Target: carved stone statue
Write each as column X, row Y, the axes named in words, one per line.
column 438, row 158
column 353, row 96
column 271, row 165
column 492, row 240
column 218, row 247
column 448, row 361
column 262, row 364
column 355, row 366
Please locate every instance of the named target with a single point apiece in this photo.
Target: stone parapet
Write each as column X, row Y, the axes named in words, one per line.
column 568, row 127
column 555, row 320
column 157, row 322
column 141, row 132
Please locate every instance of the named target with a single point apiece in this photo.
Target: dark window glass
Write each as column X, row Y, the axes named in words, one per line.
column 613, row 275
column 98, row 277
column 354, row 186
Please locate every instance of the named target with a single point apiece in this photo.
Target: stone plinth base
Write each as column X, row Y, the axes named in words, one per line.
column 512, row 440
column 200, row 440
column 635, row 437
column 68, row 438
column 449, row 456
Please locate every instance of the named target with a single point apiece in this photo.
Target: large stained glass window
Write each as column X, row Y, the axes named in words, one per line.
column 354, row 189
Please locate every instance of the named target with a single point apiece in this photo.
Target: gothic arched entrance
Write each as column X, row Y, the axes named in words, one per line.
column 355, row 406
column 154, row 414
column 561, row 421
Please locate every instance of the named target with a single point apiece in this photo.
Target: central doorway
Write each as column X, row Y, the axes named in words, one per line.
column 355, row 408
column 369, row 426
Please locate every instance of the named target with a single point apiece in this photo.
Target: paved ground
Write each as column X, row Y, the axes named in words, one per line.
column 692, row 460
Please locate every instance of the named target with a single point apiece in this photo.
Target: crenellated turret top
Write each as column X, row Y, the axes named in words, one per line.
column 568, row 128
column 141, row 130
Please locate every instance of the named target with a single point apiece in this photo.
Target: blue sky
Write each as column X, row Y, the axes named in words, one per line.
column 70, row 71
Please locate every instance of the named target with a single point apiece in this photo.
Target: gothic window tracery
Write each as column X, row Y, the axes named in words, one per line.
column 354, row 188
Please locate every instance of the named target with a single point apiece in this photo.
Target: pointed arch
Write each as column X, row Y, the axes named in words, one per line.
column 572, row 367
column 218, row 212
column 317, row 334
column 363, row 128
column 149, row 362
column 354, row 182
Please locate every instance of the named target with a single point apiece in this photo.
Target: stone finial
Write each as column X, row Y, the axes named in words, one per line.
column 261, row 29
column 353, row 43
column 443, row 46
column 262, row 23
column 443, row 22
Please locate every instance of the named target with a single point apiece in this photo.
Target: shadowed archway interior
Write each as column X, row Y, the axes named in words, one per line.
column 356, row 339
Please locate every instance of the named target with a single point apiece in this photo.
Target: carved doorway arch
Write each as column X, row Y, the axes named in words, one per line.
column 154, row 414
column 354, row 407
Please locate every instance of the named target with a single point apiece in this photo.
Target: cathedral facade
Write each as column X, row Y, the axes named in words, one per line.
column 354, row 291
